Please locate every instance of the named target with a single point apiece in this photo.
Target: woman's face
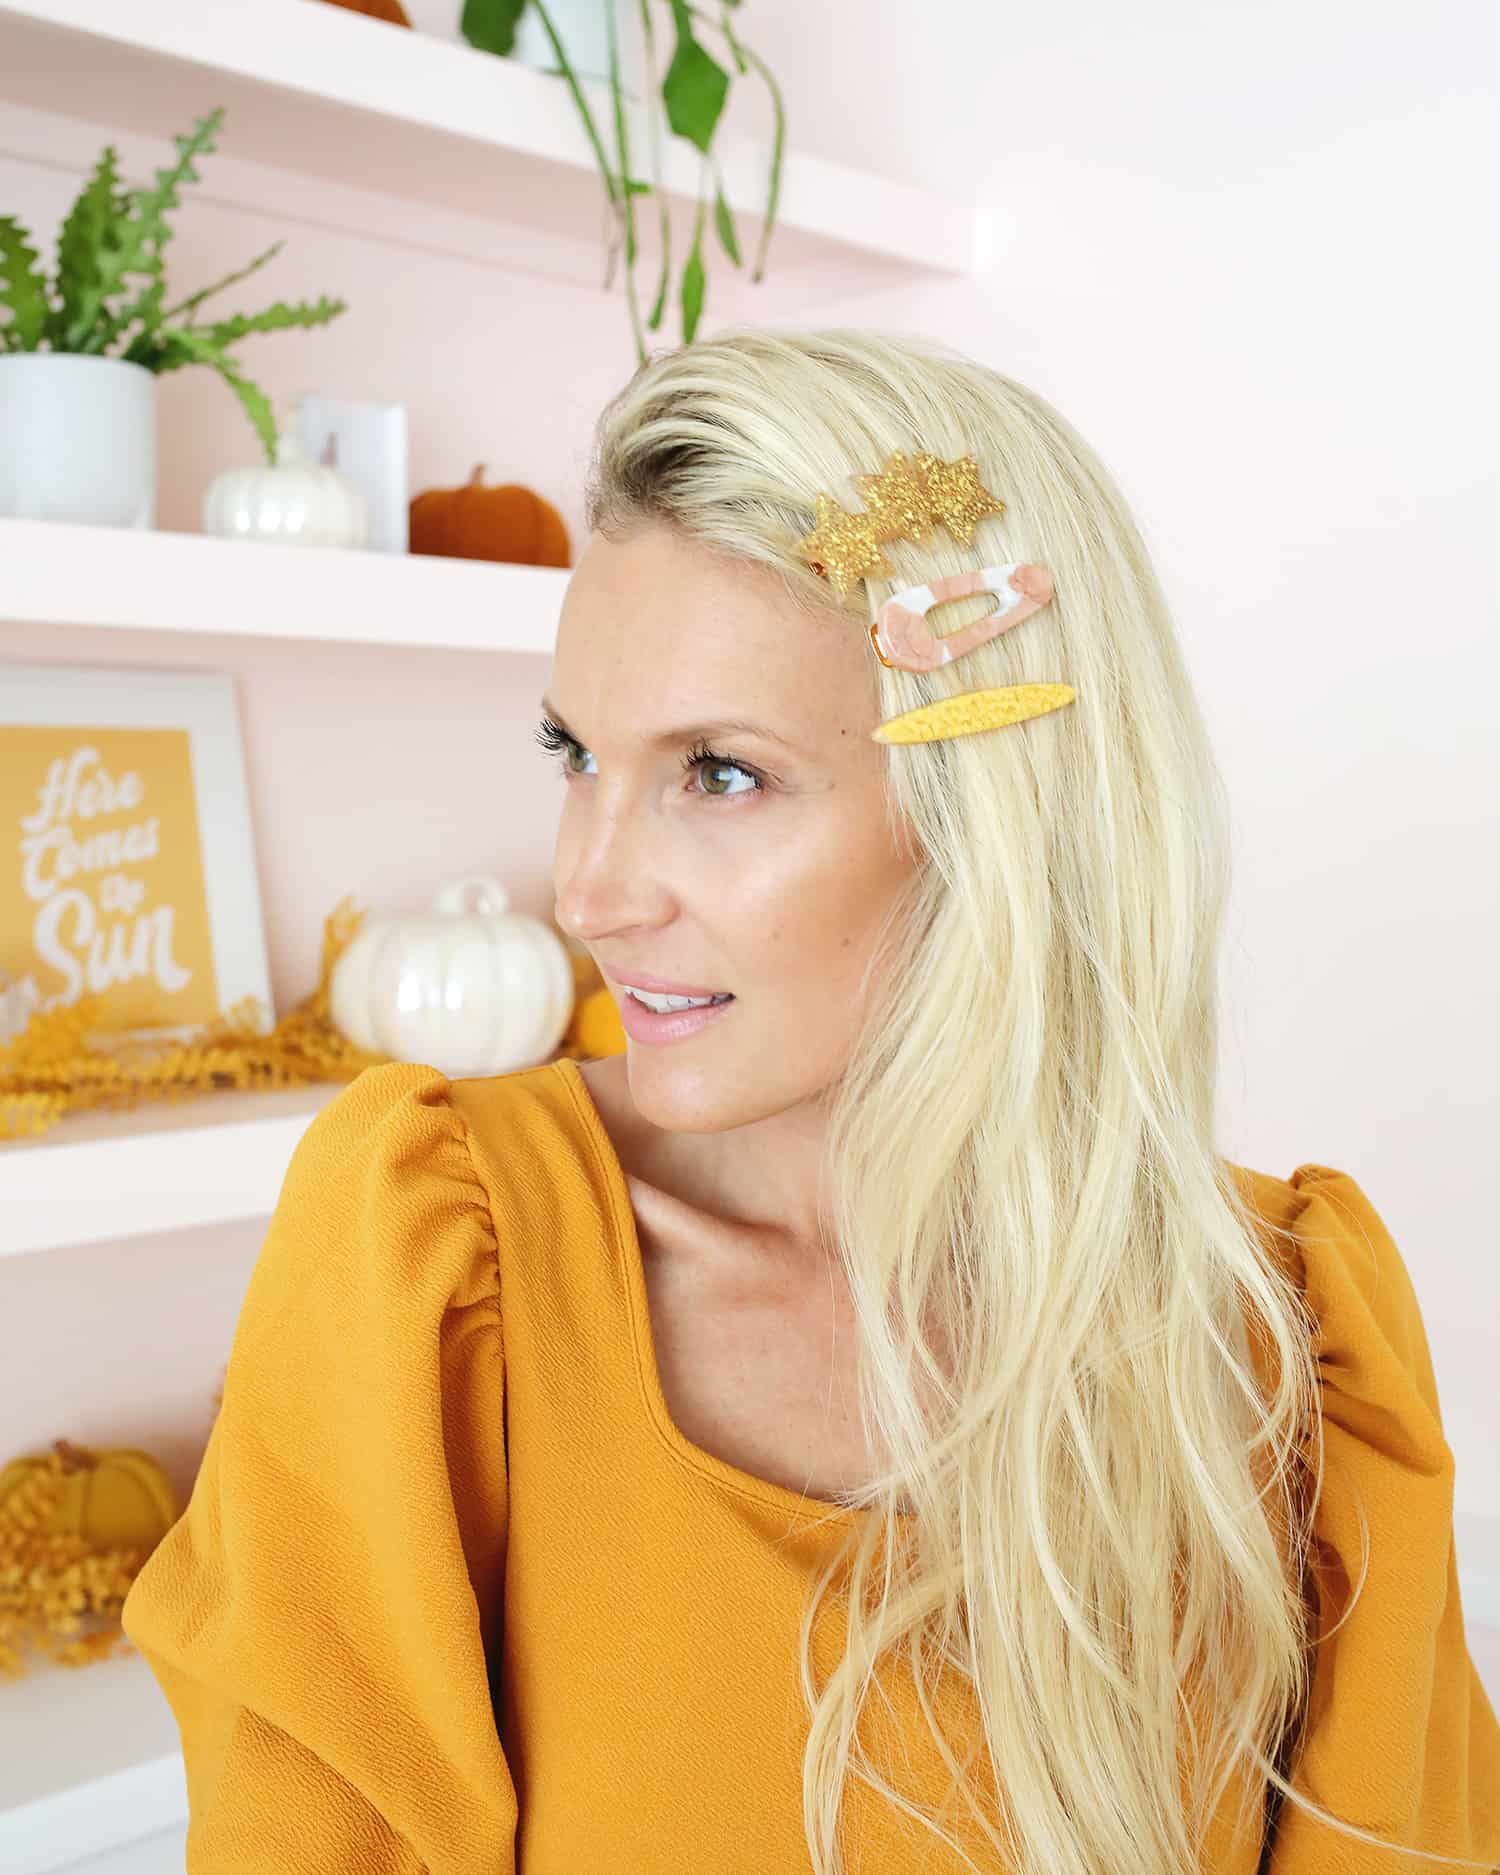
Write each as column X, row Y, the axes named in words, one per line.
column 764, row 872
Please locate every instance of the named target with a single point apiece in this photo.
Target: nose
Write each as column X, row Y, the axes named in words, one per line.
column 604, row 876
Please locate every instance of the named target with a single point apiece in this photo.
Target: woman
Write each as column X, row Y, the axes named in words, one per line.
column 866, row 1426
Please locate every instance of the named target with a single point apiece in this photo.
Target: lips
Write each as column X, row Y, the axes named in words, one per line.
column 659, row 986
column 678, row 1025
column 700, row 1002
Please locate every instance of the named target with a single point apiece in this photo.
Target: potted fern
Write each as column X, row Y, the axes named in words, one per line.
column 81, row 350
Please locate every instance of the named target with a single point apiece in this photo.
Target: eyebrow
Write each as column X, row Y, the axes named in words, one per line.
column 690, row 732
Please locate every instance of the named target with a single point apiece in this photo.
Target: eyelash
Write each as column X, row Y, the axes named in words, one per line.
column 556, row 740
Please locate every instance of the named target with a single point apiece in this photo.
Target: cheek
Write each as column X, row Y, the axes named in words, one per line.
column 814, row 909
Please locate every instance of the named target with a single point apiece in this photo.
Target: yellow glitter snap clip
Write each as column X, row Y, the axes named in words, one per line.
column 904, row 501
column 975, row 710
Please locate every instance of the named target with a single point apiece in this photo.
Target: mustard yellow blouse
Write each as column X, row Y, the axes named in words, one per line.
column 453, row 1594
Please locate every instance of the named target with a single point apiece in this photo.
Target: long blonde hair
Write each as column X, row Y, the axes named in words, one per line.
column 1050, row 1265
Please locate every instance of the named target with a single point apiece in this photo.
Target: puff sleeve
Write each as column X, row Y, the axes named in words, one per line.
column 321, row 1615
column 1400, row 1737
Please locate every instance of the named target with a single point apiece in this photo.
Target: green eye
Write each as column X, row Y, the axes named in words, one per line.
column 556, row 741
column 704, row 757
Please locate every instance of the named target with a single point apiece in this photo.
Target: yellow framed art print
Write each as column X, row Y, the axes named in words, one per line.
column 127, row 868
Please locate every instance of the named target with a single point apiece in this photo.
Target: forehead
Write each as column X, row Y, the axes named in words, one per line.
column 660, row 630
column 656, row 571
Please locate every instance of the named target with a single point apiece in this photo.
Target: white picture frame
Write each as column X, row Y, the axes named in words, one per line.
column 370, row 449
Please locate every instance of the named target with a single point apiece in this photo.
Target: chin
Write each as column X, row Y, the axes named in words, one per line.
column 679, row 1096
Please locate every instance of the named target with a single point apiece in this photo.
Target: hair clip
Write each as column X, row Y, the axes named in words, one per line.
column 973, row 711
column 904, row 501
column 903, row 639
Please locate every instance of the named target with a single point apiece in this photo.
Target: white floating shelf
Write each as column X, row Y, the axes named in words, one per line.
column 355, row 103
column 102, row 1174
column 90, row 1761
column 1476, row 1537
column 52, row 573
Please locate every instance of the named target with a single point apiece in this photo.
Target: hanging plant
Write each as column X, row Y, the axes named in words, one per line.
column 694, row 92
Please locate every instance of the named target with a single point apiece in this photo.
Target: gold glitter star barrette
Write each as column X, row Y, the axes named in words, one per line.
column 905, row 501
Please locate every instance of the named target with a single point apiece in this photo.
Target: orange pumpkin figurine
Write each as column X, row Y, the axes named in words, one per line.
column 391, row 11
column 506, row 522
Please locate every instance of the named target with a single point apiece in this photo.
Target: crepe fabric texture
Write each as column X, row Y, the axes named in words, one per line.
column 452, row 1594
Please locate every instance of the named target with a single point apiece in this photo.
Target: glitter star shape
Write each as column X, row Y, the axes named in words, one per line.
column 896, row 501
column 955, row 495
column 843, row 546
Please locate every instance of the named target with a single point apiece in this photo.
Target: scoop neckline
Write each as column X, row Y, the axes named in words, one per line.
column 631, row 1265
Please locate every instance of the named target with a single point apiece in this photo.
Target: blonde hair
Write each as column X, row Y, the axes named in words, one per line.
column 1047, row 1259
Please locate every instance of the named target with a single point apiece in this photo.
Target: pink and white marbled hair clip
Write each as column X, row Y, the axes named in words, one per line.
column 904, row 640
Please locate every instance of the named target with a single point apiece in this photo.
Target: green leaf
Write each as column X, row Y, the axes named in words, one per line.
column 773, row 191
column 724, row 223
column 693, row 282
column 124, row 249
column 728, row 31
column 610, row 183
column 622, row 146
column 778, row 150
column 23, row 289
column 491, row 24
column 149, row 208
column 664, row 277
column 147, row 312
column 81, row 245
column 169, row 348
column 255, row 404
column 695, row 86
column 183, row 346
column 278, row 318
column 253, row 400
column 195, row 300
column 659, row 304
column 145, row 233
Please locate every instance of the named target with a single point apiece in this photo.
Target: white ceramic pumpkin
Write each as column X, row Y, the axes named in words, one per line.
column 296, row 501
column 470, row 988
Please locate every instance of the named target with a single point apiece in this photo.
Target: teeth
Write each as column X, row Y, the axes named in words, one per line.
column 663, row 1003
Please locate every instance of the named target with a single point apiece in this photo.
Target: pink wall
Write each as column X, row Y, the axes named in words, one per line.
column 1235, row 247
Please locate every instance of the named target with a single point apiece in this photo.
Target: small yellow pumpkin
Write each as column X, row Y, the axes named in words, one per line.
column 596, row 1028
column 119, row 1498
column 503, row 522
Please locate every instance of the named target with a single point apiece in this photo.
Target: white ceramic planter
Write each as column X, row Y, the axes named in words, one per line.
column 580, row 25
column 77, row 439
